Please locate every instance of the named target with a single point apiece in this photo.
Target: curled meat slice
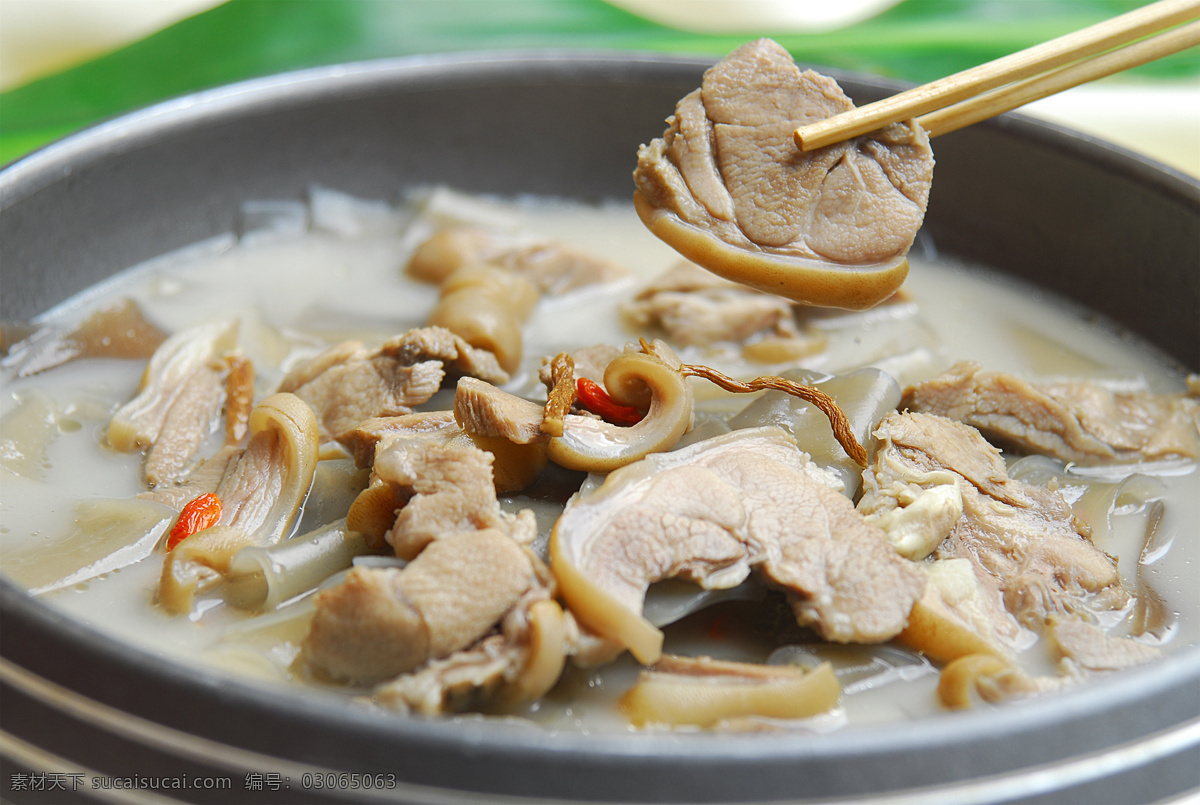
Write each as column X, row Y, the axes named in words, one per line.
column 986, row 677
column 727, row 187
column 594, row 445
column 193, row 415
column 382, row 622
column 705, row 692
column 1075, row 421
column 487, row 307
column 589, row 362
column 260, row 495
column 709, row 513
column 136, row 425
column 589, row 443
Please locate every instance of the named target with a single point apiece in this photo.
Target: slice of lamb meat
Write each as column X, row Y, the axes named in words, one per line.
column 453, row 491
column 348, row 383
column 695, row 308
column 709, row 513
column 178, row 403
column 366, row 439
column 1024, row 541
column 1075, row 421
column 727, row 186
column 204, row 477
column 481, row 408
column 552, row 267
column 193, row 415
column 1089, row 648
column 360, row 385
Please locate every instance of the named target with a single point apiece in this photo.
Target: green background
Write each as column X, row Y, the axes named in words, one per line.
column 917, row 40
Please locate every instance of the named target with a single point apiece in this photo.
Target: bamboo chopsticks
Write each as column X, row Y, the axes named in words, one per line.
column 978, row 93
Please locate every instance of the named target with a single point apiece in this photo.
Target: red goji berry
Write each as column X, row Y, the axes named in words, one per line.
column 594, row 398
column 197, row 515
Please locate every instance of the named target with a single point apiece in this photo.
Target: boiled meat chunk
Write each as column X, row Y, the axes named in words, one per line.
column 348, row 383
column 552, row 267
column 1024, row 541
column 728, row 188
column 381, row 622
column 520, row 663
column 423, row 489
column 696, row 308
column 1075, row 421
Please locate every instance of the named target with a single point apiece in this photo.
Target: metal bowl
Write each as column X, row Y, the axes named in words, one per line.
column 1077, row 215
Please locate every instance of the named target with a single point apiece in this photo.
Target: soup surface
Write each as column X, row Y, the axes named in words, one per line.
column 300, row 277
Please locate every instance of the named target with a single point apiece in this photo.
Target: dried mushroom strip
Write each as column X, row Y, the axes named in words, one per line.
column 561, row 395
column 239, row 397
column 864, row 396
column 842, row 429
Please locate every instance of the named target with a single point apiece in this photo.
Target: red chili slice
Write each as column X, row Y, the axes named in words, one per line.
column 197, row 515
column 594, row 398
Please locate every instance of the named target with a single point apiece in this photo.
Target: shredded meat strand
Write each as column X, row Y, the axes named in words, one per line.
column 837, row 418
column 239, row 397
column 561, row 396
